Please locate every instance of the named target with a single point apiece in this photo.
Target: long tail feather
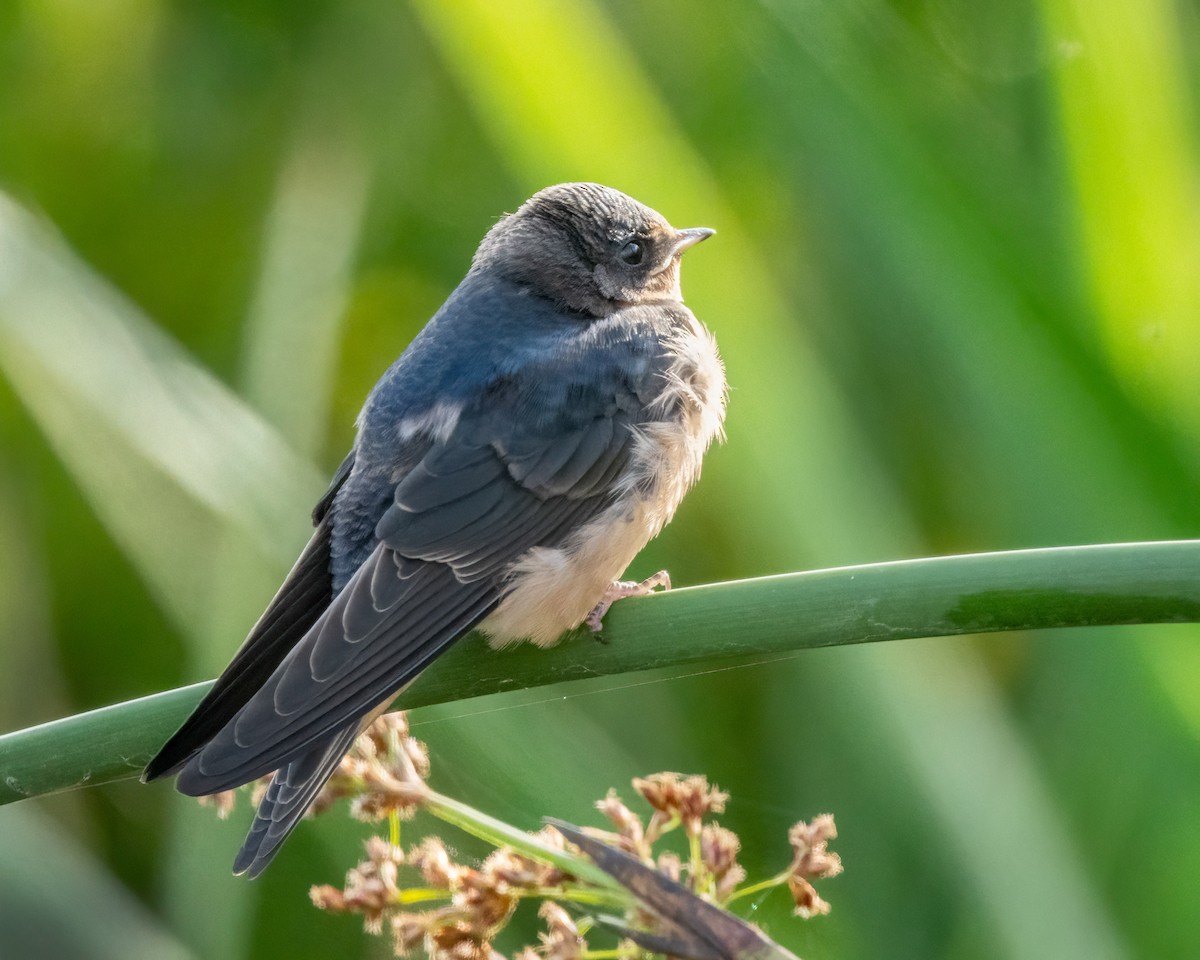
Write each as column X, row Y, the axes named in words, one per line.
column 288, row 798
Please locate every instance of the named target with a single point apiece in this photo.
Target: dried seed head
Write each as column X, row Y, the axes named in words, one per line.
column 431, row 858
column 388, row 728
column 222, row 802
column 452, row 942
column 809, row 842
column 628, row 823
column 719, row 849
column 811, row 860
column 483, row 903
column 561, row 941
column 551, row 838
column 370, row 887
column 670, row 865
column 384, row 799
column 511, row 869
column 408, row 931
column 808, row 902
column 689, row 799
column 727, row 884
column 328, row 897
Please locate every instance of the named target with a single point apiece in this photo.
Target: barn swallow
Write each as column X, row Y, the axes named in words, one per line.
column 507, row 468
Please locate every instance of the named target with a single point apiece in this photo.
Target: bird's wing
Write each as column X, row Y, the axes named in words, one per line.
column 299, row 602
column 516, row 472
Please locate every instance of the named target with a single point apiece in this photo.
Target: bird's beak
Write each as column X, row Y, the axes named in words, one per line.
column 690, row 237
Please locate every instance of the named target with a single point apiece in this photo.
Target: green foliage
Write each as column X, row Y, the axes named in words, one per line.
column 954, row 283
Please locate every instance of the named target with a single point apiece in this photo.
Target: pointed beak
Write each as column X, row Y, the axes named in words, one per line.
column 690, row 237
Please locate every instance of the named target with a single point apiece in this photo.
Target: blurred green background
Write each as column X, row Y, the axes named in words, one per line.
column 957, row 286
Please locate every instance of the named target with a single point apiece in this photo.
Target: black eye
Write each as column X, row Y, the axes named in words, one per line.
column 631, row 253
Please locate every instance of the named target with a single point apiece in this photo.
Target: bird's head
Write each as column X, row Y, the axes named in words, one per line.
column 590, row 247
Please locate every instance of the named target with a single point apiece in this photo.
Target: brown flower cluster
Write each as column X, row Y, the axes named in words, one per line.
column 712, row 870
column 679, row 799
column 371, row 887
column 478, row 902
column 562, row 940
column 811, row 860
column 453, row 911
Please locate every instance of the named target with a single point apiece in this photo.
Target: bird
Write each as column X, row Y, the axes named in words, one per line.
column 531, row 439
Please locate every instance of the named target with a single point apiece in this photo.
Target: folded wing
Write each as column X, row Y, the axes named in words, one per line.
column 499, row 485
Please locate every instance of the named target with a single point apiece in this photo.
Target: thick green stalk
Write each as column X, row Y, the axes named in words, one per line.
column 942, row 596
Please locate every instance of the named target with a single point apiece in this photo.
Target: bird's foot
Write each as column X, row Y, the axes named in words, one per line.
column 619, row 590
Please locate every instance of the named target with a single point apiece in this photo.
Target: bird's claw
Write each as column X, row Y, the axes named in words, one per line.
column 619, row 590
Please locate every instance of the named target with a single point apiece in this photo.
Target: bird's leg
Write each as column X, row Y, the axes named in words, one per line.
column 619, row 590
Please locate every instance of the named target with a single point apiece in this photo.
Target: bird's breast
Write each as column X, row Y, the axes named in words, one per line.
column 552, row 589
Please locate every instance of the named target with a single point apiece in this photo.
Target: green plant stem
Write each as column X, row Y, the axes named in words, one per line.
column 581, row 895
column 743, row 620
column 500, row 834
column 412, row 895
column 695, row 861
column 754, row 888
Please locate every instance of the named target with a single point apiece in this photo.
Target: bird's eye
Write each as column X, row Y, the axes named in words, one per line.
column 631, row 253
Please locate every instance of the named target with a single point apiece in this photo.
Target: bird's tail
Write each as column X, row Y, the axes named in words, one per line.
column 290, row 794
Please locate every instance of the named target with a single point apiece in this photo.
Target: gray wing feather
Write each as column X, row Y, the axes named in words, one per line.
column 590, row 451
column 537, row 470
column 448, row 475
